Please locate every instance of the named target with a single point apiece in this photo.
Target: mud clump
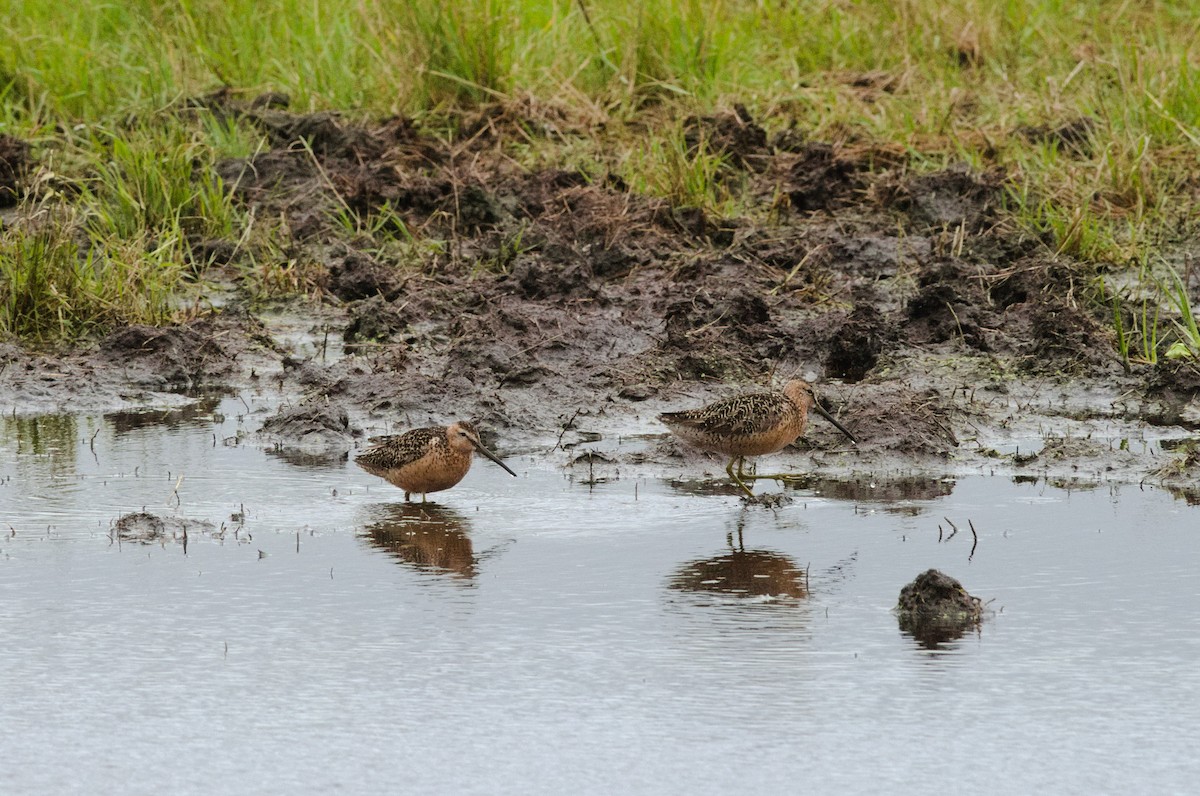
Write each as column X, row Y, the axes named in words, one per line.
column 145, row 528
column 202, row 353
column 374, row 321
column 950, row 304
column 935, row 608
column 14, row 165
column 955, row 197
column 892, row 417
column 692, row 321
column 1065, row 339
column 720, row 337
column 820, row 179
column 314, row 425
column 733, row 136
column 856, row 345
column 356, row 275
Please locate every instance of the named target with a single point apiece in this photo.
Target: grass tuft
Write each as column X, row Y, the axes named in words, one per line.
column 52, row 289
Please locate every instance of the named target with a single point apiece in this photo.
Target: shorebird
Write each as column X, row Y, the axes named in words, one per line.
column 425, row 459
column 750, row 424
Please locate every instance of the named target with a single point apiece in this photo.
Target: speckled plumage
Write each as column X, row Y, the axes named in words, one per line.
column 750, row 424
column 425, row 459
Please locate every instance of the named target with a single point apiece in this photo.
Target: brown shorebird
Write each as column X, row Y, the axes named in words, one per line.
column 750, row 424
column 425, row 459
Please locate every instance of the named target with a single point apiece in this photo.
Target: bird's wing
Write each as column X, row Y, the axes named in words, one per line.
column 737, row 416
column 397, row 450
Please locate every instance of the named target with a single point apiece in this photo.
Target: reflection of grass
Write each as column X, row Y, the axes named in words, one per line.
column 40, row 435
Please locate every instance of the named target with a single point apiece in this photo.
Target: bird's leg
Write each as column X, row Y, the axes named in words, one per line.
column 786, row 478
column 754, row 476
column 737, row 476
column 408, row 497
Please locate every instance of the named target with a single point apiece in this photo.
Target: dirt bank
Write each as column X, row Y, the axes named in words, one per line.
column 557, row 308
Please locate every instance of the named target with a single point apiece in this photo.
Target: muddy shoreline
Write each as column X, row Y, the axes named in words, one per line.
column 562, row 313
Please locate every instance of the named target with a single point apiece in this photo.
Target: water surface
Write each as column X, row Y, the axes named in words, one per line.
column 545, row 635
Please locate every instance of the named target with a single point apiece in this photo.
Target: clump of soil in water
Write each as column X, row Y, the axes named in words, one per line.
column 146, row 528
column 935, row 608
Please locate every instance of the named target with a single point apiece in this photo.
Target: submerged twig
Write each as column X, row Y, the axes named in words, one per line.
column 953, row 528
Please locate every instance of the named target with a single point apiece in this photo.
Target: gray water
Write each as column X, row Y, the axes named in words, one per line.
column 542, row 635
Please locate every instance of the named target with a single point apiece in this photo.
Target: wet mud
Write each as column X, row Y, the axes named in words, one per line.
column 145, row 528
column 556, row 308
column 935, row 608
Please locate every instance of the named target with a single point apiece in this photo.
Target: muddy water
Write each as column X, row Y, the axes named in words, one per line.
column 547, row 635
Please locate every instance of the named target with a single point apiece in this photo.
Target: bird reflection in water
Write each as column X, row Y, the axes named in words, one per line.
column 426, row 536
column 743, row 573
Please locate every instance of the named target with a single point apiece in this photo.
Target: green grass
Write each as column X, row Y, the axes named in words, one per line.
column 52, row 290
column 959, row 80
column 155, row 180
column 663, row 164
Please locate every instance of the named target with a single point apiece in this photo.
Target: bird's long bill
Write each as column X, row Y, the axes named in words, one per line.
column 479, row 447
column 821, row 410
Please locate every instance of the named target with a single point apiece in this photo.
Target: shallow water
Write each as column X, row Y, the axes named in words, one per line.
column 545, row 635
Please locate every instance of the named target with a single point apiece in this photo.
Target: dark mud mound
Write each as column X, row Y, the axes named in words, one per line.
column 1175, row 387
column 1047, row 329
column 935, row 608
column 892, row 417
column 313, row 425
column 957, row 197
column 14, row 165
column 951, row 304
column 719, row 336
column 732, row 136
column 201, row 353
column 355, row 275
column 374, row 321
column 1058, row 337
column 855, row 347
column 817, row 177
column 145, row 528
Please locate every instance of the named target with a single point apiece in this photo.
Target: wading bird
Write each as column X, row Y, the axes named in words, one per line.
column 425, row 459
column 750, row 424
